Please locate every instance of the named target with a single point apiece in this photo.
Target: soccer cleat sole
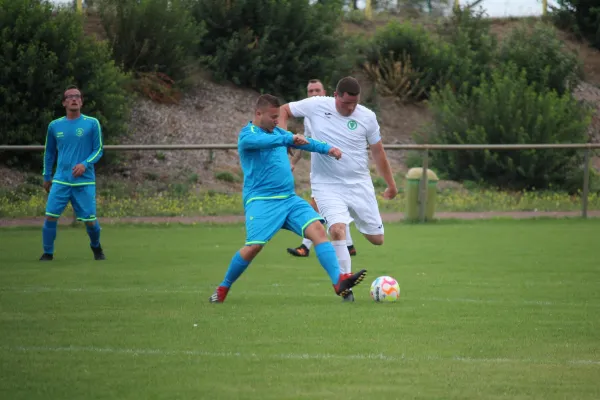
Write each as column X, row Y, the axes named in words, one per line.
column 214, row 299
column 355, row 280
column 349, row 298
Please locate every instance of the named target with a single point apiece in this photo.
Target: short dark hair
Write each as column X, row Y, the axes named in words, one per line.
column 348, row 85
column 72, row 87
column 266, row 100
column 314, row 81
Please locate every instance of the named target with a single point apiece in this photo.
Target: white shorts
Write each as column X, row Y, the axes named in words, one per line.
column 355, row 202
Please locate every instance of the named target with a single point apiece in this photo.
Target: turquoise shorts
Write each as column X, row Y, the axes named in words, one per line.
column 264, row 218
column 83, row 199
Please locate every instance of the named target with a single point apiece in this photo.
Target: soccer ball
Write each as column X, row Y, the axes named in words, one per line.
column 385, row 289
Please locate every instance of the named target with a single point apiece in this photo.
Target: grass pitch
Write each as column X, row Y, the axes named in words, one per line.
column 497, row 309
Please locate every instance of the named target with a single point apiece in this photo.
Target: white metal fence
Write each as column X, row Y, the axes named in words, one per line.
column 424, row 148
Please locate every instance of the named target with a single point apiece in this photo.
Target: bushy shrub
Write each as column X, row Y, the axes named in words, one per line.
column 152, row 35
column 271, row 46
column 403, row 54
column 581, row 17
column 458, row 54
column 472, row 48
column 545, row 58
column 41, row 52
column 506, row 109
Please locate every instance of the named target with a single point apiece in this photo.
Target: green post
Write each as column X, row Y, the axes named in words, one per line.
column 412, row 198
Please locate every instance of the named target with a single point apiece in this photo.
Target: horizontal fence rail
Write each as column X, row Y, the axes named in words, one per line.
column 228, row 146
column 425, row 148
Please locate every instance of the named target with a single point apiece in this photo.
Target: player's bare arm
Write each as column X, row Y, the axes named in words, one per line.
column 295, row 158
column 284, row 115
column 384, row 170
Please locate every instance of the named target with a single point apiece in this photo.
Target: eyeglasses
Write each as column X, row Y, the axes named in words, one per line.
column 72, row 96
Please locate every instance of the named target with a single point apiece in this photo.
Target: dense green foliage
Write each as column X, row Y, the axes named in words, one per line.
column 581, row 17
column 507, row 109
column 271, row 46
column 544, row 57
column 41, row 52
column 480, row 91
column 152, row 35
column 457, row 53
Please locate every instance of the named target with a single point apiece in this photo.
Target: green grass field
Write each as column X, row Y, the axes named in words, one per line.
column 497, row 309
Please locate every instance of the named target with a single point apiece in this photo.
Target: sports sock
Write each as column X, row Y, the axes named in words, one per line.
column 236, row 268
column 48, row 236
column 328, row 260
column 349, row 241
column 307, row 243
column 343, row 256
column 94, row 234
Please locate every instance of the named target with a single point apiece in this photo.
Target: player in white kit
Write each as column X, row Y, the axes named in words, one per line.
column 343, row 188
column 314, row 88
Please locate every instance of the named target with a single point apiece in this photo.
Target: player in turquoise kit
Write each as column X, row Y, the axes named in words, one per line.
column 270, row 202
column 77, row 140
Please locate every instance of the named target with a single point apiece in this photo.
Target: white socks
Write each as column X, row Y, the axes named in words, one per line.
column 349, row 241
column 343, row 256
column 307, row 243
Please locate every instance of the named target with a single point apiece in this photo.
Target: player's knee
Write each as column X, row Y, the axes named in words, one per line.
column 250, row 251
column 377, row 240
column 337, row 231
column 51, row 219
column 316, row 232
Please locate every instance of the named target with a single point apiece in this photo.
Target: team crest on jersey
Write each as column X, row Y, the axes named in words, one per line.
column 79, row 132
column 352, row 125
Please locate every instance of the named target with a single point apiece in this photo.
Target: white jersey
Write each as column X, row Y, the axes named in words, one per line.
column 351, row 135
column 307, row 128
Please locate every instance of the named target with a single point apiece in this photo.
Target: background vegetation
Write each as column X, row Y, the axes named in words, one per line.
column 479, row 91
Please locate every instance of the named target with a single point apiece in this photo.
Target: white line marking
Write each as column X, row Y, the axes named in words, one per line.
column 205, row 289
column 287, row 356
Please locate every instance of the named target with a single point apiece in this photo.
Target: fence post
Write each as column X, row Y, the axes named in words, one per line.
column 369, row 10
column 586, row 183
column 423, row 187
column 544, row 8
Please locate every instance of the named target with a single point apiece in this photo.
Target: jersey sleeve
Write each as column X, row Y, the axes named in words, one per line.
column 306, row 107
column 49, row 154
column 314, row 146
column 96, row 144
column 253, row 138
column 373, row 131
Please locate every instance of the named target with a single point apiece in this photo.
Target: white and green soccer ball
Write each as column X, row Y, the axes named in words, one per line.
column 385, row 289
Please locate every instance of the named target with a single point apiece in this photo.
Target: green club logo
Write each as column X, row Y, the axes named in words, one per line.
column 79, row 132
column 352, row 125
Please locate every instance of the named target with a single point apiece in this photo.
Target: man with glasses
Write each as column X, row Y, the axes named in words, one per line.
column 77, row 141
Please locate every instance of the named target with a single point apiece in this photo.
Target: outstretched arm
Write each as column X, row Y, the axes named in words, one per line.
column 314, row 146
column 255, row 139
column 384, row 170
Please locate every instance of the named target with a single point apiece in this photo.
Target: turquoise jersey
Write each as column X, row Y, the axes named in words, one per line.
column 265, row 164
column 77, row 141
